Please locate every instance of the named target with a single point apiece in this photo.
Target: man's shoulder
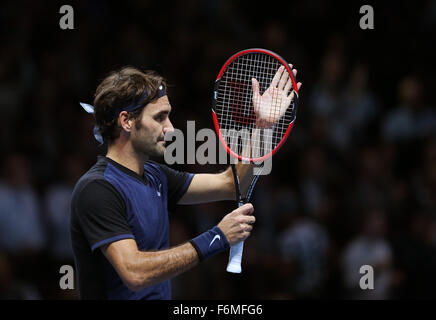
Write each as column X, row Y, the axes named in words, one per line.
column 94, row 177
column 94, row 193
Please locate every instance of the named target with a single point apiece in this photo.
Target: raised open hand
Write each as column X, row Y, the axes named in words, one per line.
column 274, row 102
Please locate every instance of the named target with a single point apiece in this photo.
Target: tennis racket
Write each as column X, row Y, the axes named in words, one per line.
column 254, row 109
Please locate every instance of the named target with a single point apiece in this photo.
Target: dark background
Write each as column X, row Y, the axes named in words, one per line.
column 354, row 185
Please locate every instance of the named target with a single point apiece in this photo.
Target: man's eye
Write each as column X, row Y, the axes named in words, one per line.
column 160, row 118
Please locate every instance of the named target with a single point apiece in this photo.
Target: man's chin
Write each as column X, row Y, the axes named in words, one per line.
column 159, row 151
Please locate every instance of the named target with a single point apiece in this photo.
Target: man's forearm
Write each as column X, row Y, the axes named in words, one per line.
column 150, row 268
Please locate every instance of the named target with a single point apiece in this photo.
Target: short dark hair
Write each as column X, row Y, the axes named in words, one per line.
column 119, row 89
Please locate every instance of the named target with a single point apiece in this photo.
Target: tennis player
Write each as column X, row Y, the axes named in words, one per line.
column 119, row 208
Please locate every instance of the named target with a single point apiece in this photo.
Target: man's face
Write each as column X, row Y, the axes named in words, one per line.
column 148, row 133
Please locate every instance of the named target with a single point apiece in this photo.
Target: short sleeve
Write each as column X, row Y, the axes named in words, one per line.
column 101, row 213
column 178, row 183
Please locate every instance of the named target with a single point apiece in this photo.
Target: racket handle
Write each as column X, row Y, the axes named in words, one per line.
column 235, row 259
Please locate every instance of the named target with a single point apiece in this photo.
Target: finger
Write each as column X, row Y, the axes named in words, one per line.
column 291, row 94
column 255, row 87
column 247, row 219
column 288, row 86
column 283, row 80
column 245, row 235
column 241, row 228
column 256, row 95
column 294, row 71
column 277, row 77
column 245, row 227
column 246, row 209
column 250, row 220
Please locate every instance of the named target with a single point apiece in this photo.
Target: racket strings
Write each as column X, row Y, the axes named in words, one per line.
column 235, row 109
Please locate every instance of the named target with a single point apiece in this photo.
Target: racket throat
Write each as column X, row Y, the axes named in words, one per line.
column 238, row 199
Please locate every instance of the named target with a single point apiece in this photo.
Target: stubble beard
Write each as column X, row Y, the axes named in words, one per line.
column 146, row 148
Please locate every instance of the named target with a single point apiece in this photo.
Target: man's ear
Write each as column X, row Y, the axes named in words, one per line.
column 125, row 121
column 130, row 123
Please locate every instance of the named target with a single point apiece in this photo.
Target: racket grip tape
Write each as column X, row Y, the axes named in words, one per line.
column 235, row 259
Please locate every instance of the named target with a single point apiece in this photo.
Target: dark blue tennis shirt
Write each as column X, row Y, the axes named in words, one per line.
column 111, row 202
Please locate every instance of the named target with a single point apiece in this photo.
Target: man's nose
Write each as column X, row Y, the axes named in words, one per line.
column 168, row 127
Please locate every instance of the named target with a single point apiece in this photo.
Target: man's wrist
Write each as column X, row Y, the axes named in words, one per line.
column 210, row 243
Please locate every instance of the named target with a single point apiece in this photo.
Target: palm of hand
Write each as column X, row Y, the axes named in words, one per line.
column 273, row 103
column 271, row 106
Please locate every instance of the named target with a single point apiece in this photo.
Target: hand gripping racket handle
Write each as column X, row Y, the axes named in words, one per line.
column 235, row 258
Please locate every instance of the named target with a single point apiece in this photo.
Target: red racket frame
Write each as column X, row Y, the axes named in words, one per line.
column 214, row 116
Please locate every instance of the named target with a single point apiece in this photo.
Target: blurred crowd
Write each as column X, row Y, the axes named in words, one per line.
column 354, row 185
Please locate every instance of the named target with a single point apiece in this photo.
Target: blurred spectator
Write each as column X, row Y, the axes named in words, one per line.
column 21, row 229
column 372, row 182
column 411, row 119
column 424, row 179
column 12, row 288
column 370, row 247
column 304, row 244
column 326, row 99
column 22, row 233
column 313, row 180
column 11, row 89
column 57, row 206
column 416, row 257
column 266, row 213
column 361, row 106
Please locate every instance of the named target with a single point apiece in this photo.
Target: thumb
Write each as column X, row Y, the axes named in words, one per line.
column 247, row 209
